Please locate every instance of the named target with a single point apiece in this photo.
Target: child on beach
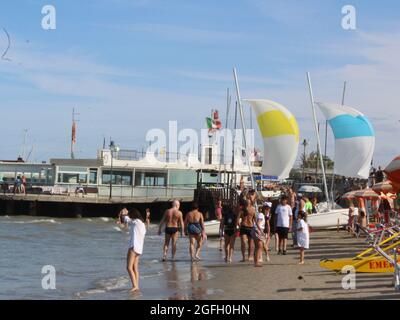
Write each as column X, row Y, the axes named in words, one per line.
column 228, row 228
column 303, row 235
column 137, row 233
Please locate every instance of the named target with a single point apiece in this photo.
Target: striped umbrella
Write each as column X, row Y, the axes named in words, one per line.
column 349, row 195
column 385, row 187
column 366, row 194
column 393, row 170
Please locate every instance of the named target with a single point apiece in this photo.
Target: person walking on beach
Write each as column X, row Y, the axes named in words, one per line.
column 300, row 204
column 283, row 223
column 303, row 235
column 173, row 221
column 148, row 213
column 218, row 216
column 194, row 228
column 259, row 238
column 266, row 210
column 308, row 207
column 137, row 233
column 228, row 226
column 247, row 218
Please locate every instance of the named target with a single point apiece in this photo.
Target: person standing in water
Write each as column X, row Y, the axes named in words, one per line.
column 137, row 233
column 194, row 228
column 247, row 219
column 173, row 221
column 148, row 218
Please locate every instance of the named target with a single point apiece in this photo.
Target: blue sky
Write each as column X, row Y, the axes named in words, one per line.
column 131, row 65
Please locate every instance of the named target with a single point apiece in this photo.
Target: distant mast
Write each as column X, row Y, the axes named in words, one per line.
column 73, row 134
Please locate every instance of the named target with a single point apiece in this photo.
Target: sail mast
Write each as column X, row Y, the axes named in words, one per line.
column 318, row 139
column 243, row 127
column 333, row 173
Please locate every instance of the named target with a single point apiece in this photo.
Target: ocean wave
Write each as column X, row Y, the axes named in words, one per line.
column 106, row 285
column 51, row 221
column 105, row 219
column 117, row 229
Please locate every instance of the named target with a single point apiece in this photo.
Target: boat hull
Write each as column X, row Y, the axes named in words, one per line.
column 212, row 228
column 328, row 220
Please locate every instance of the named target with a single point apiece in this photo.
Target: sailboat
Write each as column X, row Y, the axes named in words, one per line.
column 354, row 148
column 280, row 134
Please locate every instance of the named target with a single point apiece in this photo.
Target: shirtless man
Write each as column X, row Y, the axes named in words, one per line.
column 194, row 228
column 173, row 220
column 247, row 218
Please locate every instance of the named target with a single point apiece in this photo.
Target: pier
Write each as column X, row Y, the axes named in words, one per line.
column 72, row 206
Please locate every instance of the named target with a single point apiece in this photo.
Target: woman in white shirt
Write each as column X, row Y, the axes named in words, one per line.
column 137, row 233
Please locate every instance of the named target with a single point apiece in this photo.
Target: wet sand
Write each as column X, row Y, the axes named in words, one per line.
column 283, row 278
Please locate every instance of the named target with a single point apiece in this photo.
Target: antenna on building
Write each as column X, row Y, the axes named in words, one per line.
column 73, row 133
column 24, row 144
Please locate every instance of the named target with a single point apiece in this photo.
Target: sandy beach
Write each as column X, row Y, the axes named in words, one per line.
column 283, row 278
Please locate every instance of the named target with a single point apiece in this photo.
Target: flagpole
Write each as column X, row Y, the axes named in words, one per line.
column 318, row 139
column 243, row 128
column 73, row 133
column 228, row 105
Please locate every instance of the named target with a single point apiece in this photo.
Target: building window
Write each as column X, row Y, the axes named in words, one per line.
column 151, row 178
column 93, row 176
column 118, row 177
column 73, row 178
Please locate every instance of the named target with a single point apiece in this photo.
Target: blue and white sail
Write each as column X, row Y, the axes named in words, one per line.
column 354, row 139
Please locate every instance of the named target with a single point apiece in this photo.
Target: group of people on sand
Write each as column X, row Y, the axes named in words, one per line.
column 255, row 223
column 251, row 220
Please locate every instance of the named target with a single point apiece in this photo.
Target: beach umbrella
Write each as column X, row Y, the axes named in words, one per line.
column 385, row 187
column 349, row 195
column 393, row 170
column 310, row 189
column 366, row 194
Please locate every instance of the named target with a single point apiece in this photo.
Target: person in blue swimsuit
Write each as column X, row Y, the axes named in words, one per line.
column 194, row 228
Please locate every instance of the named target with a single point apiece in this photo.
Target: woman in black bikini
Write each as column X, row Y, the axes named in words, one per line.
column 228, row 226
column 194, row 227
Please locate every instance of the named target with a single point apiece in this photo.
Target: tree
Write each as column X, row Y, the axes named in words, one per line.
column 310, row 161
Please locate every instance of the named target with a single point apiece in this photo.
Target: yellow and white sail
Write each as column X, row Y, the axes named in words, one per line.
column 280, row 133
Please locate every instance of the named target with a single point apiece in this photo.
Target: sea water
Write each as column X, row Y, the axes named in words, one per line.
column 89, row 259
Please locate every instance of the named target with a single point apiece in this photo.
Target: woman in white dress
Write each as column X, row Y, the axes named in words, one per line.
column 137, row 233
column 303, row 235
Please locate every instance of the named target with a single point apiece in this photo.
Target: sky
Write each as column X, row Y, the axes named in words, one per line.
column 128, row 66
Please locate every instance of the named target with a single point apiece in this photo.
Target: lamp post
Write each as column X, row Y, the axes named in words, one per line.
column 113, row 148
column 304, row 144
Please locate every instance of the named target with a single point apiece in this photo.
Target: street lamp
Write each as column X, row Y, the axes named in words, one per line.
column 113, row 148
column 304, row 144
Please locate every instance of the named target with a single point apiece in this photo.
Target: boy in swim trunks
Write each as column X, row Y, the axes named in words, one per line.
column 173, row 220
